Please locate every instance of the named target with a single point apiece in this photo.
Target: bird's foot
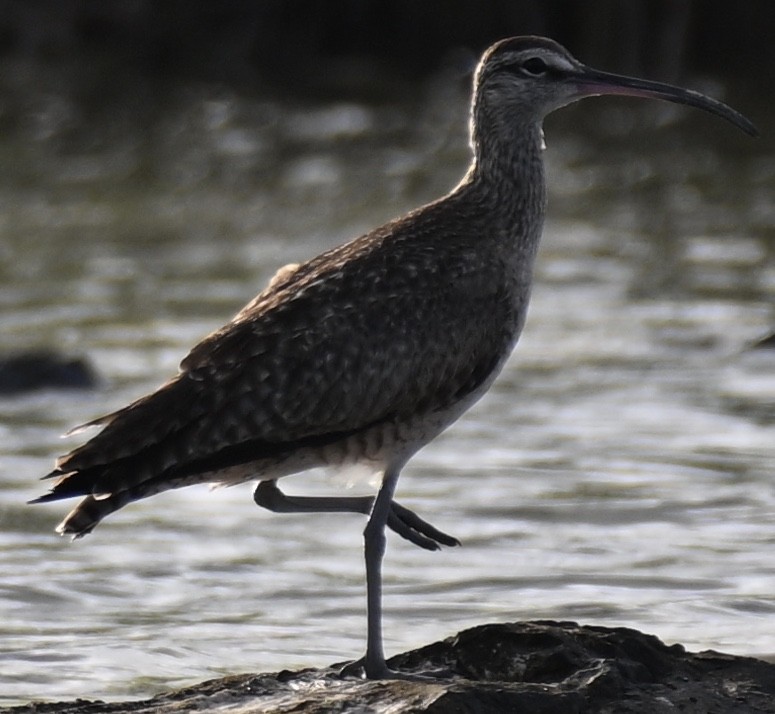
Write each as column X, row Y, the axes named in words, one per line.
column 416, row 530
column 380, row 670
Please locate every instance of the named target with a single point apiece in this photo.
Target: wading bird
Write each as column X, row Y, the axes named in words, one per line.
column 368, row 351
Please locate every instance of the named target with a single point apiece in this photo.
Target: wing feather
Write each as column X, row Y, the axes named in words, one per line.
column 378, row 329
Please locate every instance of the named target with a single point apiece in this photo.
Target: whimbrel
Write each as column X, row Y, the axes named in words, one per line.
column 367, row 351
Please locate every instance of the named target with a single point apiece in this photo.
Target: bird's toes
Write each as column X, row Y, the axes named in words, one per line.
column 358, row 670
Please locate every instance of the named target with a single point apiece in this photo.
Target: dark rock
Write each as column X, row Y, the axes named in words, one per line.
column 44, row 370
column 531, row 667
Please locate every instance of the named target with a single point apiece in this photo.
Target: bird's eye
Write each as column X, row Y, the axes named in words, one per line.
column 535, row 66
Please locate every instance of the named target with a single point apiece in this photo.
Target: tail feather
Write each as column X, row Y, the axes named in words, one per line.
column 89, row 512
column 110, row 476
column 99, row 421
column 110, row 487
column 92, row 509
column 143, row 424
column 75, row 483
column 56, row 473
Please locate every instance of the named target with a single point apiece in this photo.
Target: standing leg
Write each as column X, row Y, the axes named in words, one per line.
column 383, row 512
column 374, row 549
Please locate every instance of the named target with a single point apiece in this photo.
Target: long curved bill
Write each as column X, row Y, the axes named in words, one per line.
column 591, row 82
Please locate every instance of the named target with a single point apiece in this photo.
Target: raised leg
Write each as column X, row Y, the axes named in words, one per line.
column 400, row 519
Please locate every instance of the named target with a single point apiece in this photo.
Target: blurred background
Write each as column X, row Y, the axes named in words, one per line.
column 160, row 160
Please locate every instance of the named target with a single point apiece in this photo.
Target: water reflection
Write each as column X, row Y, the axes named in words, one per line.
column 618, row 473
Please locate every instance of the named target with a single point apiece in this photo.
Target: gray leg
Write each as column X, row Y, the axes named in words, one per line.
column 373, row 663
column 400, row 519
column 374, row 549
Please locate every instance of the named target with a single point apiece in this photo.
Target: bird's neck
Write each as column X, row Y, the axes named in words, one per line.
column 506, row 177
column 509, row 155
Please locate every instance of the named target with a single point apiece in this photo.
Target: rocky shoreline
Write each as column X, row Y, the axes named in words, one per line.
column 538, row 667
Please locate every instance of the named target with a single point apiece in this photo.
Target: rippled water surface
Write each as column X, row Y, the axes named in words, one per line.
column 620, row 472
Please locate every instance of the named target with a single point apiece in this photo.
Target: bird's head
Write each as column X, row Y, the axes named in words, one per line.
column 522, row 79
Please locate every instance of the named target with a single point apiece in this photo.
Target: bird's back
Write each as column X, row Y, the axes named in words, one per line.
column 375, row 346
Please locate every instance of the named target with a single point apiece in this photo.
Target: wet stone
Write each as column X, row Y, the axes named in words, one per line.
column 539, row 667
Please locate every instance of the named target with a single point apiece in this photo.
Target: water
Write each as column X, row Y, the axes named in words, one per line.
column 619, row 472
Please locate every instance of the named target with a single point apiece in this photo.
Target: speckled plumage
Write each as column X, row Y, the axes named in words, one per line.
column 365, row 352
column 348, row 349
column 368, row 351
